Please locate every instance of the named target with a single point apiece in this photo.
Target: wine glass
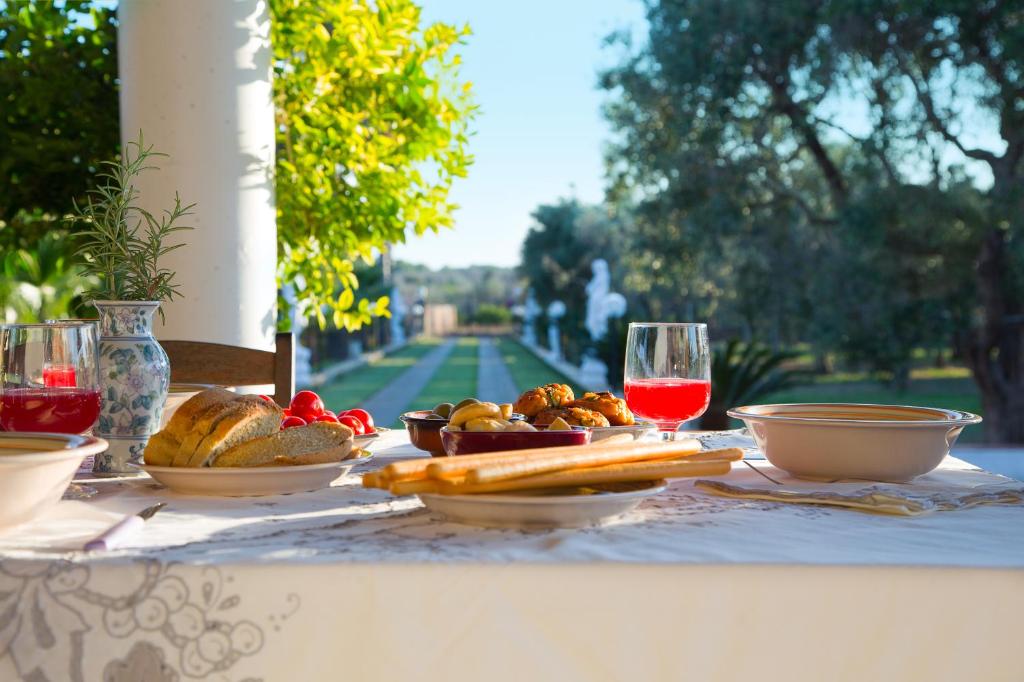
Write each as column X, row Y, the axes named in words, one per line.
column 49, row 378
column 668, row 372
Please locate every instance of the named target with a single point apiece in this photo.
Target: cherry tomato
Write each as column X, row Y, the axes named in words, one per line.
column 286, row 412
column 289, row 422
column 267, row 398
column 352, row 423
column 363, row 416
column 327, row 417
column 307, row 405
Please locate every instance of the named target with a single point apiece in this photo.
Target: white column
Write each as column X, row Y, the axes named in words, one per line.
column 196, row 79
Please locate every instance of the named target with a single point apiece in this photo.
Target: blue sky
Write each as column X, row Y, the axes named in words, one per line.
column 539, row 134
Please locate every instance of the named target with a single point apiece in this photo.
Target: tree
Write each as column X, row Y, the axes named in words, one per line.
column 556, row 257
column 372, row 130
column 848, row 123
column 58, row 87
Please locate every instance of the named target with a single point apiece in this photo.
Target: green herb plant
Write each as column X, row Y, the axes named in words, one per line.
column 122, row 242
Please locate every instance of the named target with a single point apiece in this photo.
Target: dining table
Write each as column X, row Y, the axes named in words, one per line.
column 350, row 583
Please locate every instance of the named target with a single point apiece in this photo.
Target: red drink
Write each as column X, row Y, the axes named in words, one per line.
column 59, row 375
column 59, row 410
column 668, row 401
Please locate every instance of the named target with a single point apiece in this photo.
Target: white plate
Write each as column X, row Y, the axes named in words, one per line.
column 523, row 510
column 638, row 431
column 251, row 481
column 365, row 439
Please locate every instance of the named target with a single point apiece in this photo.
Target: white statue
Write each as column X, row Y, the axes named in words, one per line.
column 602, row 305
column 398, row 311
column 530, row 313
column 556, row 310
column 614, row 306
column 598, row 289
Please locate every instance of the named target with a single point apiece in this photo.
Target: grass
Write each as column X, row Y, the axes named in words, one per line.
column 527, row 369
column 351, row 389
column 454, row 380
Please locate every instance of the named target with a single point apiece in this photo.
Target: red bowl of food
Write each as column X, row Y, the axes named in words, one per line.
column 425, row 433
column 473, row 442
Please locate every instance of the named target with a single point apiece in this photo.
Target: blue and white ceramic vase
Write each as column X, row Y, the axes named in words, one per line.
column 134, row 377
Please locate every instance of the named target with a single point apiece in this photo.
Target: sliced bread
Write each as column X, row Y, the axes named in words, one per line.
column 221, row 420
column 160, row 449
column 185, row 417
column 248, row 421
column 311, row 444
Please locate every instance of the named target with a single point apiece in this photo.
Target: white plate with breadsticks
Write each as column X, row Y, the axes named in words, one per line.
column 220, row 443
column 564, row 487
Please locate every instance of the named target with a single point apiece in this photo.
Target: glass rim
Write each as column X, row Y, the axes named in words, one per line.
column 47, row 325
column 668, row 324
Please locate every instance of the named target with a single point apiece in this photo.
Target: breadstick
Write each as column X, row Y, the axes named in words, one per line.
column 370, row 479
column 411, row 469
column 458, row 466
column 632, row 471
column 585, row 458
column 415, row 487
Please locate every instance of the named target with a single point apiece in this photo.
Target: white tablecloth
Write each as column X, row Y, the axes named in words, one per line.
column 348, row 583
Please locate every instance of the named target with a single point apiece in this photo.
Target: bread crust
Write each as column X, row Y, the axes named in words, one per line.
column 247, row 421
column 185, row 417
column 311, row 444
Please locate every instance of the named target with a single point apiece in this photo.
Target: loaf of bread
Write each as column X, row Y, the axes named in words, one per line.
column 314, row 443
column 209, row 423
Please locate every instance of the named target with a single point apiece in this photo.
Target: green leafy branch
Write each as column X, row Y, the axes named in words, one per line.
column 122, row 242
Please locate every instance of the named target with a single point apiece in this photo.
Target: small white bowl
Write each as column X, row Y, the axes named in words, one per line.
column 35, row 470
column 892, row 443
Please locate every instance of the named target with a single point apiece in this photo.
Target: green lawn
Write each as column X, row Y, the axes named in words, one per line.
column 454, row 380
column 527, row 369
column 351, row 389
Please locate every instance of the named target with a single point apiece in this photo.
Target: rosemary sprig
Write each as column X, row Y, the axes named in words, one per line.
column 122, row 242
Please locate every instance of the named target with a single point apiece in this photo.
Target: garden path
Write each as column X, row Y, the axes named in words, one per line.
column 388, row 403
column 494, row 381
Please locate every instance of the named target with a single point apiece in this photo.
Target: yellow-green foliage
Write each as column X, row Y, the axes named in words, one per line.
column 372, row 129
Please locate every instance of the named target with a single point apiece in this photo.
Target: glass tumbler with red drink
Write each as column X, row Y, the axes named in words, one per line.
column 668, row 372
column 49, row 379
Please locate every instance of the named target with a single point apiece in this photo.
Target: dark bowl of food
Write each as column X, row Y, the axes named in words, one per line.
column 424, row 429
column 474, row 442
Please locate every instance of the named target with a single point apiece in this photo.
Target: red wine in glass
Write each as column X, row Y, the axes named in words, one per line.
column 668, row 401
column 54, row 410
column 668, row 372
column 48, row 377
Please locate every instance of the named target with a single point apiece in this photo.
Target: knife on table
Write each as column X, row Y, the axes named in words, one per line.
column 123, row 529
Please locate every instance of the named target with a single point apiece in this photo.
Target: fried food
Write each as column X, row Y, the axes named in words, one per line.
column 614, row 409
column 532, row 402
column 576, row 416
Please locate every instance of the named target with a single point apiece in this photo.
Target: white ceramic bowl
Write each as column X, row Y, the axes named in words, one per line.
column 891, row 443
column 35, row 470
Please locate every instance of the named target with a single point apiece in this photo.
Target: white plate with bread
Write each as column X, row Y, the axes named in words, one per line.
column 220, row 443
column 253, row 481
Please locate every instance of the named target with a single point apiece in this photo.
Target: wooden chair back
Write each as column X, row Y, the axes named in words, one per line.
column 196, row 362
